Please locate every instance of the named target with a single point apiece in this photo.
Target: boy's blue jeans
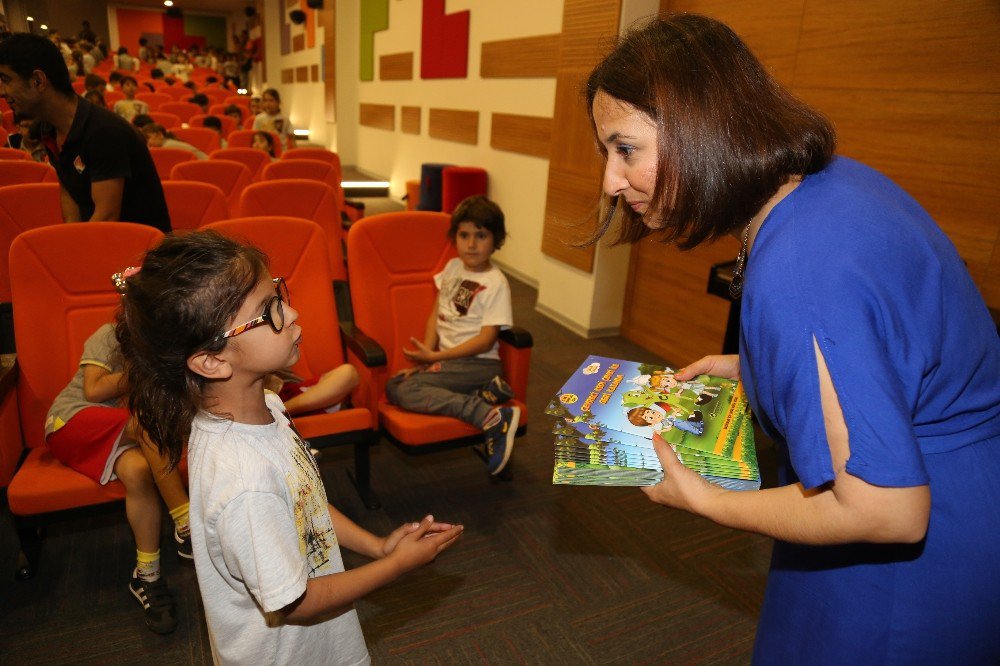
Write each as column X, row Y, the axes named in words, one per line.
column 448, row 391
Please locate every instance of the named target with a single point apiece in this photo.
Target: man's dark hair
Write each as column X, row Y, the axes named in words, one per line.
column 126, row 79
column 25, row 53
column 484, row 214
column 143, row 41
column 212, row 123
column 94, row 82
column 116, row 77
column 200, row 99
column 156, row 73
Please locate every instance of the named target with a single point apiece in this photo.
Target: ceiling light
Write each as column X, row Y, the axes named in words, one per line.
column 44, row 27
column 168, row 3
column 29, row 18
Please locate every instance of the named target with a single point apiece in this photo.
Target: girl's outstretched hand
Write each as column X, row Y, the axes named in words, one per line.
column 681, row 488
column 417, row 547
column 717, row 365
column 389, row 542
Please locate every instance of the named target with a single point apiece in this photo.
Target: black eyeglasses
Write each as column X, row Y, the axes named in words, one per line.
column 274, row 313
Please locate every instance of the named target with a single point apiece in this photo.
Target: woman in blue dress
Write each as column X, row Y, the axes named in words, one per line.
column 866, row 350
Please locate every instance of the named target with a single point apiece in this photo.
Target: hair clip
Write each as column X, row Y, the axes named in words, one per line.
column 119, row 278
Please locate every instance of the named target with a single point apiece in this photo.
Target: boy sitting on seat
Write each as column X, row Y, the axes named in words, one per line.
column 459, row 371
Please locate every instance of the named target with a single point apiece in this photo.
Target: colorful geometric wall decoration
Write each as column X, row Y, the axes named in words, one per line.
column 444, row 42
column 374, row 18
column 158, row 28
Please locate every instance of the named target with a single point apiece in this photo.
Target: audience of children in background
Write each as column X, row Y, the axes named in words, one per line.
column 158, row 137
column 89, row 431
column 271, row 119
column 203, row 324
column 130, row 107
column 95, row 97
column 263, row 141
column 235, row 112
column 28, row 138
column 201, row 100
column 458, row 371
column 124, row 62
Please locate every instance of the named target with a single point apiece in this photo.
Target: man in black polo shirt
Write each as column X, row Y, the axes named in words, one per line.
column 104, row 166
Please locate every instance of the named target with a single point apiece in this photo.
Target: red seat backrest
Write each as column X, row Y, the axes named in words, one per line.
column 183, row 110
column 307, row 199
column 112, row 96
column 297, row 252
column 255, row 160
column 244, row 139
column 204, row 139
column 228, row 124
column 177, row 92
column 166, row 159
column 305, row 169
column 12, row 154
column 17, row 172
column 154, row 100
column 241, row 100
column 393, row 258
column 8, row 121
column 61, row 283
column 216, row 95
column 23, row 207
column 168, row 120
column 230, row 176
column 321, row 154
column 194, row 204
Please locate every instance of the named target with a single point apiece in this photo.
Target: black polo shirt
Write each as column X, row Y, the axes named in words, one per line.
column 102, row 146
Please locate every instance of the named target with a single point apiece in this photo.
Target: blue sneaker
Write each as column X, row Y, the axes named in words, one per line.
column 500, row 439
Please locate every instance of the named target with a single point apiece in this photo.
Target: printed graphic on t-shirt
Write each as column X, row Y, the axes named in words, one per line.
column 461, row 293
column 312, row 521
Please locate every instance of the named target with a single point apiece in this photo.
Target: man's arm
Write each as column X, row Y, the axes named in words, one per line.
column 107, row 196
column 70, row 211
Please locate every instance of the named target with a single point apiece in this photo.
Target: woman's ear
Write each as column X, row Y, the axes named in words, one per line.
column 209, row 365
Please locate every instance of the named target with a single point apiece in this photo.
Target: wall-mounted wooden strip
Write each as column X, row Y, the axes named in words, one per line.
column 288, row 75
column 396, row 67
column 314, row 73
column 302, row 74
column 328, row 21
column 454, row 125
column 299, row 42
column 528, row 135
column 381, row 116
column 570, row 211
column 520, row 58
column 409, row 119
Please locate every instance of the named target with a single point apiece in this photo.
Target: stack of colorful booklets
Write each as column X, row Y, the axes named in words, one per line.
column 609, row 410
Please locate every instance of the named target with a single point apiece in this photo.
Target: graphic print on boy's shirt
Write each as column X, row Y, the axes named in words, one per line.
column 316, row 536
column 460, row 294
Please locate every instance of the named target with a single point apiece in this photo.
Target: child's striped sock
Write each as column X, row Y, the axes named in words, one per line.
column 181, row 520
column 147, row 565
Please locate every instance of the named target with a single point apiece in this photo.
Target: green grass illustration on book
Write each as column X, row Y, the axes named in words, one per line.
column 609, row 409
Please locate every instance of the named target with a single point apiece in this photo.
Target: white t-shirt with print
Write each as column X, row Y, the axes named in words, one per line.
column 260, row 529
column 467, row 301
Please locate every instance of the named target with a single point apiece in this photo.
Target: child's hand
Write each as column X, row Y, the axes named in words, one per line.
column 421, row 354
column 420, row 546
column 406, row 372
column 390, row 542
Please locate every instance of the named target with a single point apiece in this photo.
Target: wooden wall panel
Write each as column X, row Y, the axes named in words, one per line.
column 299, row 42
column 381, row 116
column 409, row 119
column 302, row 74
column 574, row 165
column 454, row 125
column 396, row 67
column 536, row 56
column 314, row 73
column 933, row 45
column 328, row 21
column 288, row 75
column 669, row 312
column 528, row 135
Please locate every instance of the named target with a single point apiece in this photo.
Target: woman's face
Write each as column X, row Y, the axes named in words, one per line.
column 269, row 104
column 629, row 136
column 260, row 143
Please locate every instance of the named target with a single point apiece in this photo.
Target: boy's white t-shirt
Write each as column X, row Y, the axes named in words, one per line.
column 260, row 529
column 467, row 301
column 278, row 123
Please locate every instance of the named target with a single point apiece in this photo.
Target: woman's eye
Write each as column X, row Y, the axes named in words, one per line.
column 625, row 150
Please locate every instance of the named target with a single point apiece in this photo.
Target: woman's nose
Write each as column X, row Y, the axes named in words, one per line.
column 614, row 182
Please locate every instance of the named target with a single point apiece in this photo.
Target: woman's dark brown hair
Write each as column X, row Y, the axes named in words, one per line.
column 188, row 290
column 728, row 135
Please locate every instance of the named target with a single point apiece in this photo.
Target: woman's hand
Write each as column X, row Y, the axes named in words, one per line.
column 717, row 365
column 421, row 354
column 681, row 488
column 390, row 542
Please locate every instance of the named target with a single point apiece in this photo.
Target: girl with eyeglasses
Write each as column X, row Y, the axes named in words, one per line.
column 203, row 323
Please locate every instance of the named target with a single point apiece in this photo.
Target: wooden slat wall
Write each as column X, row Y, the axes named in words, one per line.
column 380, row 116
column 409, row 119
column 913, row 90
column 328, row 21
column 528, row 135
column 574, row 166
column 536, row 56
column 288, row 75
column 302, row 74
column 454, row 125
column 299, row 42
column 396, row 67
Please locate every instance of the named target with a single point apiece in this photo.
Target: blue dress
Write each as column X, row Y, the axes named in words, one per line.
column 850, row 259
